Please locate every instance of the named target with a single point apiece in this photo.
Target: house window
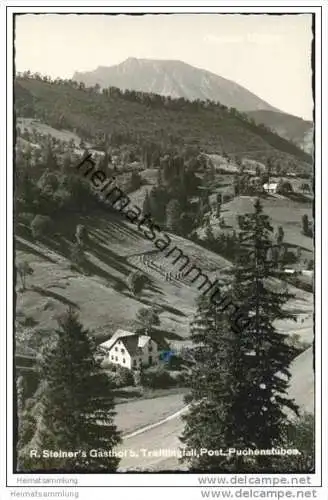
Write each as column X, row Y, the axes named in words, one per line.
column 140, row 360
column 116, row 349
column 150, row 349
column 112, row 357
column 116, row 359
column 123, row 360
column 150, row 360
column 122, row 351
column 134, row 362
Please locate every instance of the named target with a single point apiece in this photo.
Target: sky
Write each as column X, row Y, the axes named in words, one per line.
column 269, row 55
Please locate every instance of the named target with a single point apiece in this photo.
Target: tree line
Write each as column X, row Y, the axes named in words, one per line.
column 163, row 120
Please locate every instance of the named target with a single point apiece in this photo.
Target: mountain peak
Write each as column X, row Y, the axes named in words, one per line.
column 130, row 60
column 175, row 78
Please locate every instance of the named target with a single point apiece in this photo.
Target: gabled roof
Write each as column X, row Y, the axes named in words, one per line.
column 143, row 340
column 132, row 341
column 117, row 335
column 131, row 344
column 135, row 344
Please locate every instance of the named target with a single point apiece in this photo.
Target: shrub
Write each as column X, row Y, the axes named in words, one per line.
column 289, row 258
column 174, row 362
column 29, row 321
column 310, row 265
column 188, row 398
column 77, row 255
column 81, row 234
column 123, row 377
column 284, row 187
column 24, row 269
column 182, row 378
column 41, row 225
column 296, row 341
column 300, row 436
column 119, row 375
column 26, row 218
column 227, row 197
column 105, row 363
column 187, row 356
column 136, row 282
column 157, row 378
column 241, row 220
column 135, row 181
column 147, row 318
column 307, row 226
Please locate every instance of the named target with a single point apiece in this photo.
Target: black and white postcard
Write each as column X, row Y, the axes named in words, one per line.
column 164, row 234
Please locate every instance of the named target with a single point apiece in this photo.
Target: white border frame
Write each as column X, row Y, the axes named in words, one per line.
column 144, row 479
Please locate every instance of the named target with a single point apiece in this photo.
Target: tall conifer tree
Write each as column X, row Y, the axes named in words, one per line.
column 239, row 384
column 73, row 408
column 260, row 298
column 210, row 421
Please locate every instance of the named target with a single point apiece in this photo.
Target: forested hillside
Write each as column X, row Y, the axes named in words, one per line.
column 288, row 126
column 154, row 121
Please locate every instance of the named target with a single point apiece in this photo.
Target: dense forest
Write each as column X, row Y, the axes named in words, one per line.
column 130, row 117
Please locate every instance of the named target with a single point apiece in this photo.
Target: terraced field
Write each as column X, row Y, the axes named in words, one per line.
column 102, row 296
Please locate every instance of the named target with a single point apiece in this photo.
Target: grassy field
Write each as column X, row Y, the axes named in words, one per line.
column 102, row 297
column 134, row 415
column 282, row 212
column 41, row 128
column 137, row 197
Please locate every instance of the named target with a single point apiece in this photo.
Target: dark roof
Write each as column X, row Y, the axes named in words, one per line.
column 133, row 340
column 119, row 334
column 131, row 344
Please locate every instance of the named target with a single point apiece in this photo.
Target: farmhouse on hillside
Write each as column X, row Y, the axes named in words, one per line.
column 270, row 187
column 131, row 350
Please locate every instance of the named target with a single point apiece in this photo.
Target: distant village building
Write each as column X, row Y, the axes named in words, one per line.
column 290, row 271
column 270, row 187
column 96, row 154
column 132, row 350
column 115, row 159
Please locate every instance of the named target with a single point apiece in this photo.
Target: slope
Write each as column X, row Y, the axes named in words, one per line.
column 173, row 78
column 148, row 118
column 288, row 126
column 302, row 381
column 101, row 294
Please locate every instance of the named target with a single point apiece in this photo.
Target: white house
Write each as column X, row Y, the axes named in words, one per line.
column 290, row 271
column 131, row 350
column 270, row 187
